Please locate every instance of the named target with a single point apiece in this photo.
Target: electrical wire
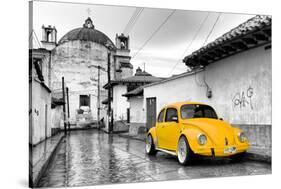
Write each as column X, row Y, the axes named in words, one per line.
column 131, row 19
column 37, row 39
column 206, row 39
column 212, row 29
column 189, row 45
column 130, row 25
column 155, row 32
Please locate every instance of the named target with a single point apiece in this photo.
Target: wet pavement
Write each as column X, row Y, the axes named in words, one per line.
column 92, row 157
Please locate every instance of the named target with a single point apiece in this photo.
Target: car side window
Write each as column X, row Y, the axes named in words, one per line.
column 161, row 116
column 171, row 112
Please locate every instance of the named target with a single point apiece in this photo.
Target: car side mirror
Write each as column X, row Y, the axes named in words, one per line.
column 221, row 119
column 175, row 119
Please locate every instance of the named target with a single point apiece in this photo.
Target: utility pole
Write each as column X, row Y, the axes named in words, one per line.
column 67, row 98
column 63, row 97
column 109, row 94
column 98, row 100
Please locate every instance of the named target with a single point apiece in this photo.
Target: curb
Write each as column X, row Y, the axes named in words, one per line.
column 46, row 164
column 258, row 157
column 249, row 155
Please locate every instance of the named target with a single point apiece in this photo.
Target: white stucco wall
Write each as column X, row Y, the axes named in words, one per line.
column 40, row 122
column 136, row 110
column 241, row 87
column 120, row 103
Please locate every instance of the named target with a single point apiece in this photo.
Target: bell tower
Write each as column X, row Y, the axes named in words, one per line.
column 122, row 57
column 49, row 37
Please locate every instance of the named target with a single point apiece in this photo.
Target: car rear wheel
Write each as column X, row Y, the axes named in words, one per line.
column 184, row 151
column 149, row 146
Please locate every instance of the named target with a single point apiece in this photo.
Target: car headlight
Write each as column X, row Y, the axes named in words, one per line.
column 202, row 139
column 242, row 137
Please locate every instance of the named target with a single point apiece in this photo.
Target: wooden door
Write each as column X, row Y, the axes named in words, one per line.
column 150, row 112
column 128, row 115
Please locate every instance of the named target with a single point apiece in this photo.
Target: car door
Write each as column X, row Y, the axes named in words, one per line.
column 160, row 128
column 171, row 129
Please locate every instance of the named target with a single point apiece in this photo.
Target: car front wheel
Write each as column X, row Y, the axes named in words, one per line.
column 149, row 146
column 184, row 151
column 238, row 157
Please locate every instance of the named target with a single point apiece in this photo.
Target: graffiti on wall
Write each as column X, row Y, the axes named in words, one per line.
column 243, row 99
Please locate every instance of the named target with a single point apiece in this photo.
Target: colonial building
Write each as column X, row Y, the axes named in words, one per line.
column 81, row 56
column 233, row 74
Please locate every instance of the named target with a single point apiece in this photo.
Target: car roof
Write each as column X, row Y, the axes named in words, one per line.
column 179, row 104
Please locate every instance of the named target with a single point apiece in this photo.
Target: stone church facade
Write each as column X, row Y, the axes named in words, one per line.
column 81, row 56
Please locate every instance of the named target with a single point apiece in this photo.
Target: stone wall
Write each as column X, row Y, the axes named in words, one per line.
column 258, row 135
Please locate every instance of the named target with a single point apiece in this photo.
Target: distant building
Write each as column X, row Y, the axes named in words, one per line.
column 123, row 109
column 233, row 74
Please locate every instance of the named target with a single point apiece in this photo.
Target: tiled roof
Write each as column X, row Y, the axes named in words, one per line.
column 138, row 79
column 252, row 33
column 136, row 92
column 134, row 79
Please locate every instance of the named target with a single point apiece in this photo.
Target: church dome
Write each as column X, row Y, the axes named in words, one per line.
column 87, row 33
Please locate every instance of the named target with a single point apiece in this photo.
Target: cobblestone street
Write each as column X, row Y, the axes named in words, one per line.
column 92, row 157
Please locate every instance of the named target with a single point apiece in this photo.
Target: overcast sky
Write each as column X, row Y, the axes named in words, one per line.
column 168, row 46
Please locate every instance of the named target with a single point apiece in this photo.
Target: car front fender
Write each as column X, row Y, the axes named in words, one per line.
column 152, row 132
column 191, row 135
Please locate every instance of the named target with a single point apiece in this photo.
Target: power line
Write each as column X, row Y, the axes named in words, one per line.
column 189, row 45
column 133, row 20
column 37, row 39
column 212, row 29
column 159, row 27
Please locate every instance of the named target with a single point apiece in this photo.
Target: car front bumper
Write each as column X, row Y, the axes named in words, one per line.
column 222, row 151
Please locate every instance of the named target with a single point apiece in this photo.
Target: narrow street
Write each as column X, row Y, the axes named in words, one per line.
column 92, row 157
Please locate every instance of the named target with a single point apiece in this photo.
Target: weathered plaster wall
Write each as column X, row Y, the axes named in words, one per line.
column 41, row 113
column 77, row 61
column 241, row 87
column 120, row 103
column 57, row 117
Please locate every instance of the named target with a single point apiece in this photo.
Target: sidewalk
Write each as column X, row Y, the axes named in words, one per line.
column 40, row 156
column 254, row 153
column 259, row 154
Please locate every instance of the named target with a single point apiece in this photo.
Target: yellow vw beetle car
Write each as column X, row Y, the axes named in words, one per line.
column 187, row 129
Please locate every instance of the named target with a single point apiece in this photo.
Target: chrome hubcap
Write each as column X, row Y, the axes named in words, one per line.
column 148, row 144
column 182, row 151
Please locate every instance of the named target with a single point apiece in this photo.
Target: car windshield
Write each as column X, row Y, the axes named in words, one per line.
column 197, row 111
